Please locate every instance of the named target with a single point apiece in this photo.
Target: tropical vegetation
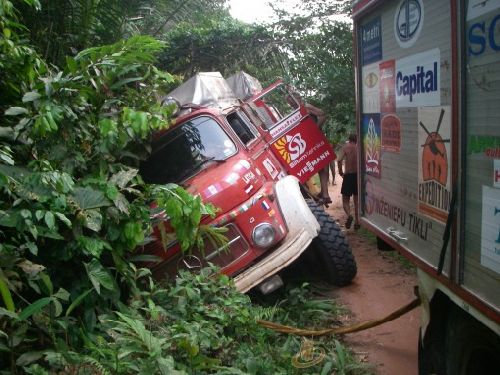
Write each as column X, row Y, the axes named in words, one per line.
column 79, row 92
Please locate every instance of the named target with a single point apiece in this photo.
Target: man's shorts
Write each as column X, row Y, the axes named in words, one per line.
column 349, row 185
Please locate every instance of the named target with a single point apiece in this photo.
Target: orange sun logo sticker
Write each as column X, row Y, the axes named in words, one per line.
column 283, row 151
column 290, row 147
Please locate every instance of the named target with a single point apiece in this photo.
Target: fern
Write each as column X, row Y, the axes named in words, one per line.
column 267, row 313
column 95, row 366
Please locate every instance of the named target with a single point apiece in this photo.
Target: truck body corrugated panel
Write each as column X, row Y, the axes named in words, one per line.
column 398, row 184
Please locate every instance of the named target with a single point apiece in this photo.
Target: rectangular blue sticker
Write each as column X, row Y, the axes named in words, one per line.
column 371, row 41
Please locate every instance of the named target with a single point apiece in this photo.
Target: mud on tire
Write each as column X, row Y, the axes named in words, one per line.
column 330, row 249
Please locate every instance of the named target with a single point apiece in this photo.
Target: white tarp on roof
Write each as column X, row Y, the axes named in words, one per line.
column 244, row 85
column 208, row 89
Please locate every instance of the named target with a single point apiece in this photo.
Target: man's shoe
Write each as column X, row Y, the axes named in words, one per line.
column 348, row 222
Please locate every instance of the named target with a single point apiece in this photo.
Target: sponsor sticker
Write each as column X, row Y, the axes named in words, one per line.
column 418, row 80
column 391, row 133
column 243, row 164
column 304, row 150
column 477, row 8
column 434, row 155
column 371, row 81
column 286, row 124
column 482, row 36
column 212, row 190
column 291, row 147
column 408, row 22
column 490, row 229
column 371, row 41
column 496, row 173
column 372, row 144
column 265, row 205
column 232, row 178
column 270, row 168
column 487, row 144
column 387, row 86
column 248, row 177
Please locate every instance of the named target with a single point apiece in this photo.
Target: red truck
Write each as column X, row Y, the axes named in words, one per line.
column 249, row 158
column 428, row 91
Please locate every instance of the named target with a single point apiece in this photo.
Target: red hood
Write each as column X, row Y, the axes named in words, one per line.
column 226, row 184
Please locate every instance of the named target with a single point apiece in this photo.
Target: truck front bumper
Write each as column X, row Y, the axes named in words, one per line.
column 302, row 229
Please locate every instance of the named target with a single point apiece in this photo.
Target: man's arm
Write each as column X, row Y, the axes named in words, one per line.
column 320, row 115
column 340, row 158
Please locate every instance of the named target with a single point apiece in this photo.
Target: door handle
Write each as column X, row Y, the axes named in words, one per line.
column 397, row 235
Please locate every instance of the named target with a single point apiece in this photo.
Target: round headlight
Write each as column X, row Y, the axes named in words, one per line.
column 263, row 235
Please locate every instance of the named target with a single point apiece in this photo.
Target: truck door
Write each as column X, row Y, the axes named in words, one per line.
column 291, row 133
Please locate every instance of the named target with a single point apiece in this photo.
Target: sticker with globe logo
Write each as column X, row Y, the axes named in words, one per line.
column 408, row 22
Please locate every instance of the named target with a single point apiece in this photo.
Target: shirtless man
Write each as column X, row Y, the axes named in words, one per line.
column 349, row 184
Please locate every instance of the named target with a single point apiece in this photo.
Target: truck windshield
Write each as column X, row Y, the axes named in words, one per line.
column 185, row 150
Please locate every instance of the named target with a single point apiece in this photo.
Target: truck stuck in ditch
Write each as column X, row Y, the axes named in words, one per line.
column 247, row 151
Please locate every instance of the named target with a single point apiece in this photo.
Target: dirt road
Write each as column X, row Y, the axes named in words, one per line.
column 381, row 286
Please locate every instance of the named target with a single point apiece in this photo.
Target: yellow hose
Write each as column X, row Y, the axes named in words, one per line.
column 340, row 330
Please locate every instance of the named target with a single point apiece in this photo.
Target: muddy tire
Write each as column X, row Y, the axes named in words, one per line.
column 330, row 249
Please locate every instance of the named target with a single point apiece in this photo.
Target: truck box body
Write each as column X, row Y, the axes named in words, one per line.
column 428, row 97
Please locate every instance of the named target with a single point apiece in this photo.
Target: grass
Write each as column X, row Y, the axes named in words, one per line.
column 367, row 235
column 405, row 263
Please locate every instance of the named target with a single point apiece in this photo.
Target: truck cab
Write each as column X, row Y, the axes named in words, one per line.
column 237, row 155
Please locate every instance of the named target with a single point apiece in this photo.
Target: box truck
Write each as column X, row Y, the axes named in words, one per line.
column 428, row 117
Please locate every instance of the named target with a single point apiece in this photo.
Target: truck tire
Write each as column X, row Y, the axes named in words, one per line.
column 471, row 347
column 331, row 250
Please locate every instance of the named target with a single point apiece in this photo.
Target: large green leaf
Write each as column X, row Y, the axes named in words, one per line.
column 28, row 358
column 31, row 96
column 6, row 295
column 34, row 308
column 122, row 178
column 93, row 246
column 50, row 220
column 121, row 203
column 15, row 111
column 93, row 220
column 87, row 198
column 77, row 301
column 99, row 276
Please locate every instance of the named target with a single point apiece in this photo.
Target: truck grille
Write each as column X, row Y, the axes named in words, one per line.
column 223, row 256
